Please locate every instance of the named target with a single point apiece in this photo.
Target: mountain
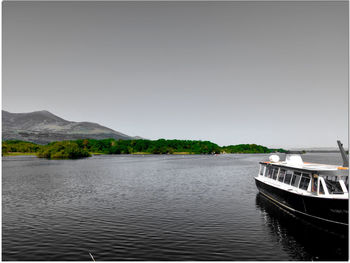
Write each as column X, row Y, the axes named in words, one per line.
column 43, row 127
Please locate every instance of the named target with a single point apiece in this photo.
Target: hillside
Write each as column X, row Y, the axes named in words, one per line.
column 43, row 127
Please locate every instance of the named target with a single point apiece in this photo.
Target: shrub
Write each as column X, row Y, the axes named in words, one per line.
column 63, row 150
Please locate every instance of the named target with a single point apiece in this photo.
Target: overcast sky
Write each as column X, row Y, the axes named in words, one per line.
column 271, row 73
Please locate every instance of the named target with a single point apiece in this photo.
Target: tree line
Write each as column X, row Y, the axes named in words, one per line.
column 86, row 147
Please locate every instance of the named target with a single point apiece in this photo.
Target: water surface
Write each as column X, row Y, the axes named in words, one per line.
column 152, row 207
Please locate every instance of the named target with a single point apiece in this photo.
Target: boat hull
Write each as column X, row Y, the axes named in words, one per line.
column 323, row 210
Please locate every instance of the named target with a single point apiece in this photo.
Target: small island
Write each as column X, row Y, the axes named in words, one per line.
column 86, row 147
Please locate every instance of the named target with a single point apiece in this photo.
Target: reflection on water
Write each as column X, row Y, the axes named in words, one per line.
column 317, row 242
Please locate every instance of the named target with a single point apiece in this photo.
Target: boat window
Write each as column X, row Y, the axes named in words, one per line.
column 274, row 173
column 321, row 192
column 288, row 177
column 262, row 167
column 304, row 182
column 296, row 179
column 314, row 183
column 281, row 175
column 333, row 186
column 269, row 172
column 346, row 181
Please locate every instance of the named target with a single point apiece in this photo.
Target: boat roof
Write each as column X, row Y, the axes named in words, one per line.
column 309, row 166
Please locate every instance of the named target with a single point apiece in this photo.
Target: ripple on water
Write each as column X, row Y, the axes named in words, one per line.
column 149, row 208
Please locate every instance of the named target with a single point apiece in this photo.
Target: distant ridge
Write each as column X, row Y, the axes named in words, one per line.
column 318, row 149
column 43, row 127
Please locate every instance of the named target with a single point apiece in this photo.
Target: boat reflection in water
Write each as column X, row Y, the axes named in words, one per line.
column 293, row 232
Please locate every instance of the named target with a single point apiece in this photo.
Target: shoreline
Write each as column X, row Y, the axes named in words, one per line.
column 136, row 153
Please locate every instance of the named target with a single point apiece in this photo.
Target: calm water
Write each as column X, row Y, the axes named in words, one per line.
column 152, row 208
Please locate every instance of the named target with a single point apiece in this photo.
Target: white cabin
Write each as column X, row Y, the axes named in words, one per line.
column 321, row 180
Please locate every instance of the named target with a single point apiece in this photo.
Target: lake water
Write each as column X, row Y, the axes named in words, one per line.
column 170, row 207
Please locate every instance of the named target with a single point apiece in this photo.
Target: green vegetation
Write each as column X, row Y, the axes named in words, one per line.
column 246, row 148
column 15, row 146
column 18, row 154
column 62, row 150
column 86, row 147
column 249, row 148
column 161, row 146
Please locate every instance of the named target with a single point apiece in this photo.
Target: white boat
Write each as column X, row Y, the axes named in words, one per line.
column 316, row 191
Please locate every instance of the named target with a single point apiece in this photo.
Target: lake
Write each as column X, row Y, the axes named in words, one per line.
column 153, row 207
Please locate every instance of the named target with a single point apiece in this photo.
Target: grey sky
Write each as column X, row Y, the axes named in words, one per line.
column 271, row 73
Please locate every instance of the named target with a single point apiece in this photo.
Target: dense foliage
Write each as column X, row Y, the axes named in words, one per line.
column 249, row 148
column 161, row 146
column 62, row 150
column 19, row 146
column 83, row 148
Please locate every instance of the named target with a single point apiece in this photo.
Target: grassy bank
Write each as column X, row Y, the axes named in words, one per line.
column 19, row 153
